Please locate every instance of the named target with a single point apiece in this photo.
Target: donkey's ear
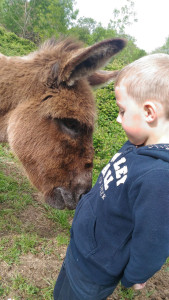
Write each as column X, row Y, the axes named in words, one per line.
column 85, row 61
column 101, row 77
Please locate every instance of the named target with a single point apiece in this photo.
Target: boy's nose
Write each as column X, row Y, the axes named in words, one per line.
column 118, row 119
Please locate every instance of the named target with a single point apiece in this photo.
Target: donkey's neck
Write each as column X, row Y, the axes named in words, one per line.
column 17, row 85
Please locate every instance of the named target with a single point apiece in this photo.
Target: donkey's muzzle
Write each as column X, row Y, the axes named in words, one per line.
column 61, row 198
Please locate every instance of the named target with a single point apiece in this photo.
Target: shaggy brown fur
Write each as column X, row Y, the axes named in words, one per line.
column 47, row 113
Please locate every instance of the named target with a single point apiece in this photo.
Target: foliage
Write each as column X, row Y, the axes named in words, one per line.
column 108, row 136
column 53, row 18
column 90, row 32
column 123, row 17
column 164, row 48
column 37, row 20
column 15, row 16
column 11, row 44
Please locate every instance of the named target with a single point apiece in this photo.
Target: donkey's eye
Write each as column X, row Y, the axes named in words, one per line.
column 47, row 97
column 70, row 126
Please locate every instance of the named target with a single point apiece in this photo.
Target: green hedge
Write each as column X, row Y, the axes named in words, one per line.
column 108, row 136
column 11, row 44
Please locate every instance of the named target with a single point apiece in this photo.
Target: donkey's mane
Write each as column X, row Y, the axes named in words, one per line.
column 69, row 44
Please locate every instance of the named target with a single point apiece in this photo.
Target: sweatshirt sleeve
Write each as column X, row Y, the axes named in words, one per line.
column 150, row 239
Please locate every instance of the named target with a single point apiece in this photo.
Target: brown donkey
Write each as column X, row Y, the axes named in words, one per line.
column 47, row 113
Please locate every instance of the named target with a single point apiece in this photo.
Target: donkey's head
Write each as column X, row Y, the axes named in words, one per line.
column 51, row 131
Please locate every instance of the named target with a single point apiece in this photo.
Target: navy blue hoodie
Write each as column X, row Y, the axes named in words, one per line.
column 121, row 227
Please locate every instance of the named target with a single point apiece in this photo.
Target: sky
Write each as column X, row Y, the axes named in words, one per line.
column 152, row 27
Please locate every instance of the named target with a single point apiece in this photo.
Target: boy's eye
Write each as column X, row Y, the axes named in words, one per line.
column 121, row 112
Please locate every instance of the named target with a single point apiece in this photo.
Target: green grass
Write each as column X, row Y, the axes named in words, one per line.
column 61, row 217
column 20, row 235
column 20, row 283
column 124, row 293
column 10, row 251
column 62, row 239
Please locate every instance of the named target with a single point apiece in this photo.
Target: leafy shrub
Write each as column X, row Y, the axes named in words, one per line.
column 11, row 44
column 108, row 136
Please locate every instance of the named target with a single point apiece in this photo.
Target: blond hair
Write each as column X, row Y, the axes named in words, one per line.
column 147, row 79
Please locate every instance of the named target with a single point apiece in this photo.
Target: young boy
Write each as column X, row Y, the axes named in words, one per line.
column 121, row 227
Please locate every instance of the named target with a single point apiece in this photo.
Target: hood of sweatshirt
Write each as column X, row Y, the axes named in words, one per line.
column 159, row 151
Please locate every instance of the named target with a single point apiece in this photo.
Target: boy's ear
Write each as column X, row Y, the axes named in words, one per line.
column 150, row 111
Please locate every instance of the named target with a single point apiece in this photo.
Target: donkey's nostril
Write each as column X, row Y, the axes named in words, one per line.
column 80, row 196
column 88, row 165
column 85, row 192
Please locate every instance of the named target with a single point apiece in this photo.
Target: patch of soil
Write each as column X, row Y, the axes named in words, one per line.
column 37, row 269
column 35, row 216
column 9, row 167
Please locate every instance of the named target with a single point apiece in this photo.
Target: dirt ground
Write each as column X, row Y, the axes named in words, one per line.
column 39, row 268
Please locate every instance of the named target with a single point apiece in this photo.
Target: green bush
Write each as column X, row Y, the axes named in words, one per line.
column 11, row 44
column 108, row 135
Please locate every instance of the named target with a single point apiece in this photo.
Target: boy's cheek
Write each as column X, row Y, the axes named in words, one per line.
column 132, row 131
column 133, row 123
column 136, row 119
